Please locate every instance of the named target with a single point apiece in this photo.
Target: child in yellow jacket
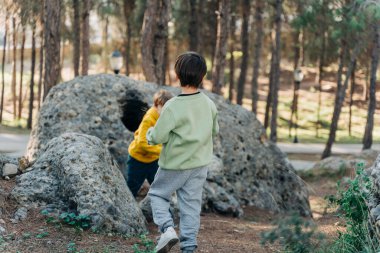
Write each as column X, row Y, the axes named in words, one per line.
column 142, row 160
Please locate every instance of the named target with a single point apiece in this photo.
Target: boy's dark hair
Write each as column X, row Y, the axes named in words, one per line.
column 190, row 68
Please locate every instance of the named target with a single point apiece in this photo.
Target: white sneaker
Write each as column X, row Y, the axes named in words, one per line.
column 167, row 240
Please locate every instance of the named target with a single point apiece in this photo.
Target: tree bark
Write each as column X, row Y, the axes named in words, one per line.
column 32, row 69
column 341, row 93
column 105, row 44
column 221, row 46
column 3, row 63
column 20, row 104
column 41, row 66
column 52, row 44
column 276, row 72
column 76, row 35
column 154, row 40
column 193, row 25
column 319, row 81
column 85, row 36
column 232, row 59
column 128, row 9
column 14, row 98
column 367, row 139
column 268, row 104
column 245, row 50
column 296, row 49
column 257, row 56
column 352, row 91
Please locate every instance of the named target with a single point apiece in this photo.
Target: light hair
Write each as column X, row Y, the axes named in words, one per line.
column 161, row 97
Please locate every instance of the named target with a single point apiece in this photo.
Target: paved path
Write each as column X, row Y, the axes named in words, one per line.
column 317, row 148
column 15, row 145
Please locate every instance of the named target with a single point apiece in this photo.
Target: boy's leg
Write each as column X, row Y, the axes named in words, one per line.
column 190, row 202
column 136, row 175
column 165, row 183
column 152, row 172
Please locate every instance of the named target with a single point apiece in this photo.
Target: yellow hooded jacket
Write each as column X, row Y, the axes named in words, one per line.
column 139, row 148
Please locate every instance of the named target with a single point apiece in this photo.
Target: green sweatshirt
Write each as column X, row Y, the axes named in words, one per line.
column 185, row 128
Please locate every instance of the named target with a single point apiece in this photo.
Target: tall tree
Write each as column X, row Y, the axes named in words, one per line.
column 193, row 26
column 352, row 91
column 257, row 53
column 41, row 66
column 23, row 38
column 3, row 62
column 32, row 70
column 367, row 139
column 128, row 7
column 245, row 8
column 85, row 36
column 14, row 98
column 76, row 37
column 232, row 58
column 221, row 46
column 154, row 40
column 268, row 104
column 276, row 71
column 52, row 43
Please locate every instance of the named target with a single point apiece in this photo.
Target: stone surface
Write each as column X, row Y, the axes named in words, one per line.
column 4, row 159
column 76, row 173
column 257, row 172
column 20, row 214
column 9, row 170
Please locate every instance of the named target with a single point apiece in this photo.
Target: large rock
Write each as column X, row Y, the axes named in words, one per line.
column 257, row 172
column 76, row 173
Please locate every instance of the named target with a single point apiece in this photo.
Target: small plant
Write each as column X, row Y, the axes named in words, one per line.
column 72, row 248
column 80, row 221
column 42, row 235
column 144, row 246
column 295, row 235
column 352, row 201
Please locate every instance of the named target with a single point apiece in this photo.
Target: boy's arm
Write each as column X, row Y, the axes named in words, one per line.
column 160, row 132
column 141, row 137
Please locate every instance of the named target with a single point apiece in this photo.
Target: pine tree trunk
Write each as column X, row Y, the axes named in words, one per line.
column 32, row 69
column 268, row 104
column 128, row 9
column 193, row 25
column 232, row 59
column 41, row 66
column 258, row 49
column 367, row 139
column 276, row 72
column 154, row 38
column 245, row 50
column 14, row 98
column 85, row 36
column 3, row 64
column 319, row 81
column 340, row 95
column 20, row 103
column 352, row 91
column 76, row 35
column 52, row 44
column 221, row 46
column 296, row 49
column 105, row 44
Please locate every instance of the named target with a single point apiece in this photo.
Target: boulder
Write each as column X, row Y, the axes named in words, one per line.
column 257, row 172
column 76, row 173
column 9, row 170
column 4, row 159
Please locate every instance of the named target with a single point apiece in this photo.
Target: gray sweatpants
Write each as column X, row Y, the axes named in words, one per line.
column 189, row 186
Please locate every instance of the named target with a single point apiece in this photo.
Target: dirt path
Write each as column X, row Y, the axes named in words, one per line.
column 217, row 233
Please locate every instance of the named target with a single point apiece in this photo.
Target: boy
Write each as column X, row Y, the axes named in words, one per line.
column 185, row 128
column 142, row 160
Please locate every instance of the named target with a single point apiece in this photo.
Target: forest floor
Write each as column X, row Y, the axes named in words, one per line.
column 217, row 233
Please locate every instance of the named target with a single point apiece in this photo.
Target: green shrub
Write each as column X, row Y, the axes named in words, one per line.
column 144, row 246
column 78, row 221
column 295, row 235
column 352, row 201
